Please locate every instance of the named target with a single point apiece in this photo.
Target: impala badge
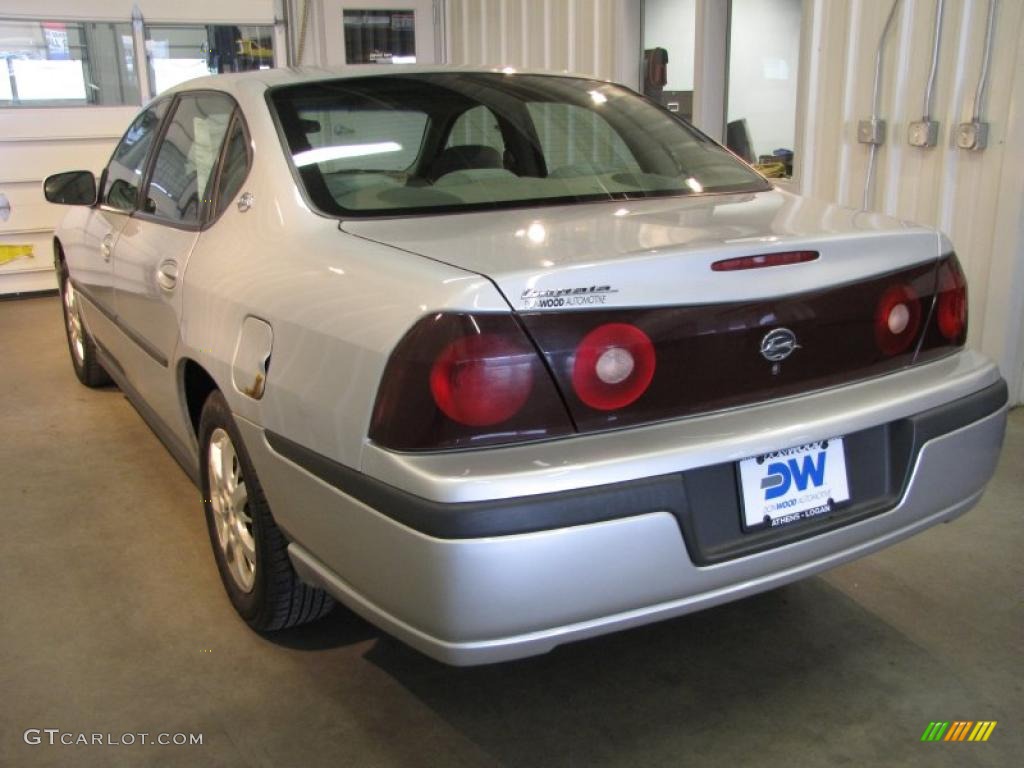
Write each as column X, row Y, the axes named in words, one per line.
column 779, row 344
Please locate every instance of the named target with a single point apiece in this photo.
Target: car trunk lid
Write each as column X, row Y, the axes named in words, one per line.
column 636, row 325
column 657, row 252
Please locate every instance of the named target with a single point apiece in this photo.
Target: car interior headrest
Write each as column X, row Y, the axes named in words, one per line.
column 463, row 158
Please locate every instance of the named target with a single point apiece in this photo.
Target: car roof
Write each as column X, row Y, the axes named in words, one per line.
column 270, row 78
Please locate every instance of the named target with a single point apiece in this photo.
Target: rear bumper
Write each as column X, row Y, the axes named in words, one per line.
column 466, row 598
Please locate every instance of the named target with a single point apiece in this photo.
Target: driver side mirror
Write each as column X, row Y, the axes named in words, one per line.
column 70, row 188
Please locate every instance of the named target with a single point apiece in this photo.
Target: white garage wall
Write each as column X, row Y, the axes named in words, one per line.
column 37, row 142
column 592, row 37
column 977, row 198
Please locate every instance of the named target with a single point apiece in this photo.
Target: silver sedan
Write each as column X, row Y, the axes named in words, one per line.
column 505, row 360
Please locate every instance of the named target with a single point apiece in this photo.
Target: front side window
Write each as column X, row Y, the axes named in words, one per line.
column 67, row 63
column 182, row 181
column 126, row 167
column 427, row 142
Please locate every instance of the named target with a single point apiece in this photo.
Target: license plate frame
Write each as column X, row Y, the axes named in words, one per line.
column 792, row 485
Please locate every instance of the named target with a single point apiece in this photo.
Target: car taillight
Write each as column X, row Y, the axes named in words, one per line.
column 634, row 365
column 456, row 380
column 897, row 319
column 764, row 260
column 483, row 380
column 951, row 305
column 613, row 366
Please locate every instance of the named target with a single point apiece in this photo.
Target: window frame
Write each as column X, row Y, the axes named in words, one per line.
column 205, row 218
column 144, row 99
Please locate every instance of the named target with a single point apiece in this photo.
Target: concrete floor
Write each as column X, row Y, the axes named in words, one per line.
column 112, row 619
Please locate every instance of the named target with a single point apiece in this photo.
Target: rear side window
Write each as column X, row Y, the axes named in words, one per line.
column 182, row 181
column 124, row 172
column 235, row 168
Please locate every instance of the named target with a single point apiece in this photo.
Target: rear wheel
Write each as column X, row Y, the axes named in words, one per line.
column 83, row 350
column 250, row 550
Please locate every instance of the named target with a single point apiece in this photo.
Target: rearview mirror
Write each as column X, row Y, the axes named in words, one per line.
column 70, row 188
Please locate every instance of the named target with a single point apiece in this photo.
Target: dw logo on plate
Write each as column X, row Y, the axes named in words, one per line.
column 782, row 475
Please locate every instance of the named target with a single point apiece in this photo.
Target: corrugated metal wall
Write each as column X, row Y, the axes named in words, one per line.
column 563, row 35
column 977, row 198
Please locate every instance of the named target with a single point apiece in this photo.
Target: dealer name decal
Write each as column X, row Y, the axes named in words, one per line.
column 583, row 296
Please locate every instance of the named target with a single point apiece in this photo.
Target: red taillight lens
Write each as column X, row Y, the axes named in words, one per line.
column 614, row 366
column 897, row 319
column 483, row 380
column 948, row 330
column 457, row 380
column 765, row 260
column 951, row 306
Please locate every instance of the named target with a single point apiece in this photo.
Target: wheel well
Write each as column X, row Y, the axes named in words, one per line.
column 58, row 254
column 198, row 385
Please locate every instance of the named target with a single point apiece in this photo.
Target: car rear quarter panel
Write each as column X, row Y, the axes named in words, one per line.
column 337, row 304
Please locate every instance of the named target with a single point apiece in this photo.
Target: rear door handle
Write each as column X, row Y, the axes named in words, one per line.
column 106, row 245
column 167, row 274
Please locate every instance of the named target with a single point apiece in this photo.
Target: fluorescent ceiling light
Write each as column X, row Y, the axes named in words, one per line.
column 344, row 151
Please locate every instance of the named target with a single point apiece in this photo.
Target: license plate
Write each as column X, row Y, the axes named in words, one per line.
column 793, row 484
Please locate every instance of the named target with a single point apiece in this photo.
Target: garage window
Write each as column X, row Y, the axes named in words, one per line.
column 177, row 53
column 67, row 63
column 379, row 36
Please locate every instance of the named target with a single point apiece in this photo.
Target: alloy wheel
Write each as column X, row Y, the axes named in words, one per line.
column 229, row 500
column 73, row 318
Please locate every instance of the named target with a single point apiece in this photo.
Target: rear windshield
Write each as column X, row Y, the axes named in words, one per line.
column 410, row 143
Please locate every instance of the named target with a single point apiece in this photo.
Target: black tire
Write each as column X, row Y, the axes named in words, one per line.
column 84, row 359
column 277, row 597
